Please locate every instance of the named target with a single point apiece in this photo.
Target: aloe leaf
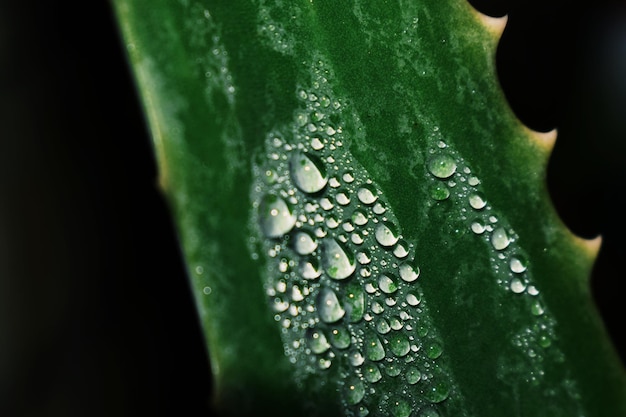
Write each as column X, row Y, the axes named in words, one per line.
column 365, row 223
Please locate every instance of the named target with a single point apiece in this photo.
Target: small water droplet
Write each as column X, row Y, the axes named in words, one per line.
column 356, row 358
column 343, row 198
column 439, row 192
column 275, row 216
column 517, row 286
column 348, row 177
column 395, row 322
column 434, row 351
column 317, row 144
column 308, row 172
column 477, row 227
column 379, row 208
column 399, row 344
column 359, row 217
column 438, row 393
column 304, row 242
column 402, row 249
column 386, row 234
column 413, row 298
column 442, row 166
column 328, row 307
column 477, row 201
column 367, row 194
column 413, row 375
column 338, row 260
column 374, row 348
column 386, row 284
column 340, row 337
column 400, row 408
column 409, row 272
column 500, row 239
column 354, row 391
column 382, row 326
column 392, row 369
column 354, row 302
column 316, row 340
column 372, row 373
column 310, row 268
column 518, row 264
column 536, row 308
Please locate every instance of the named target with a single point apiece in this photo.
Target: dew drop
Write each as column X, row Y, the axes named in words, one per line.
column 275, row 216
column 372, row 373
column 518, row 264
column 392, row 370
column 409, row 272
column 338, row 260
column 354, row 391
column 386, row 284
column 434, row 351
column 316, row 340
column 304, row 242
column 343, row 198
column 536, row 308
column 399, row 344
column 359, row 217
column 395, row 323
column 413, row 298
column 439, row 192
column 400, row 408
column 340, row 338
column 317, row 144
column 374, row 348
column 517, row 286
column 310, row 268
column 379, row 208
column 356, row 358
column 354, row 303
column 477, row 201
column 363, row 257
column 348, row 177
column 438, row 393
column 382, row 326
column 500, row 239
column 328, row 306
column 413, row 375
column 386, row 234
column 307, row 172
column 442, row 166
column 477, row 227
column 367, row 194
column 402, row 249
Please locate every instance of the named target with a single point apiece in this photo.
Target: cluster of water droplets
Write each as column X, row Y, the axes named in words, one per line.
column 452, row 179
column 341, row 280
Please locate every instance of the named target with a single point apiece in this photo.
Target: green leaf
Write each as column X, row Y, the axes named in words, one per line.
column 365, row 222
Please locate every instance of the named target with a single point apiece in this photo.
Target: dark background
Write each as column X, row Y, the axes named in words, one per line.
column 96, row 317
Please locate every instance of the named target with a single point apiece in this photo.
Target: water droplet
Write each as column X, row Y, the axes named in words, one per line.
column 343, row 198
column 500, row 239
column 386, row 234
column 317, row 144
column 434, row 351
column 367, row 194
column 332, row 222
column 409, row 272
column 324, row 363
column 372, row 373
column 413, row 375
column 439, row 192
column 399, row 344
column 413, row 298
column 477, row 227
column 395, row 323
column 348, row 177
column 392, row 369
column 400, row 408
column 304, row 242
column 310, row 268
column 438, row 393
column 275, row 216
column 536, row 308
column 354, row 391
column 382, row 326
column 363, row 411
column 544, row 341
column 328, row 307
column 402, row 249
column 379, row 208
column 356, row 358
column 377, row 307
column 386, row 284
column 308, row 172
column 340, row 337
column 518, row 264
column 374, row 348
column 477, row 201
column 359, row 217
column 354, row 303
column 280, row 305
column 442, row 166
column 363, row 257
column 517, row 286
column 338, row 260
column 316, row 340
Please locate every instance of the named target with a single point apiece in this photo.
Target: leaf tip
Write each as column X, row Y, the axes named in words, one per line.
column 545, row 140
column 591, row 246
column 495, row 25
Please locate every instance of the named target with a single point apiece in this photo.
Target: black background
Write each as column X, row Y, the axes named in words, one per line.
column 96, row 317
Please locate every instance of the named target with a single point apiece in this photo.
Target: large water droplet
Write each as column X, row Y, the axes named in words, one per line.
column 359, row 217
column 382, row 326
column 304, row 242
column 402, row 249
column 372, row 373
column 442, row 166
column 477, row 201
column 392, row 369
column 500, row 239
column 409, row 271
column 434, row 351
column 310, row 268
column 438, row 393
column 316, row 340
column 367, row 194
column 340, row 337
column 354, row 302
column 356, row 358
column 328, row 307
column 400, row 408
column 374, row 348
column 386, row 284
column 413, row 298
column 518, row 264
column 307, row 172
column 399, row 344
column 338, row 260
column 413, row 375
column 354, row 391
column 275, row 216
column 386, row 234
column 439, row 192
column 517, row 286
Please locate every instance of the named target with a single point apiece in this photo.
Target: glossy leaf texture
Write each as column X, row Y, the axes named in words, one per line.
column 365, row 222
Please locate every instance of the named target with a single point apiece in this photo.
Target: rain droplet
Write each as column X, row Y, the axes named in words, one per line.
column 367, row 194
column 328, row 306
column 340, row 338
column 304, row 242
column 402, row 249
column 396, row 323
column 382, row 326
column 310, row 268
column 308, row 172
column 477, row 227
column 354, row 303
column 354, row 391
column 386, row 284
column 413, row 298
column 399, row 344
column 343, row 198
column 439, row 192
column 517, row 286
column 372, row 373
column 477, row 201
column 500, row 239
column 409, row 271
column 374, row 348
column 359, row 217
column 518, row 264
column 386, row 234
column 348, row 177
column 379, row 208
column 442, row 166
column 338, row 260
column 316, row 340
column 413, row 375
column 275, row 216
column 377, row 307
column 317, row 144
